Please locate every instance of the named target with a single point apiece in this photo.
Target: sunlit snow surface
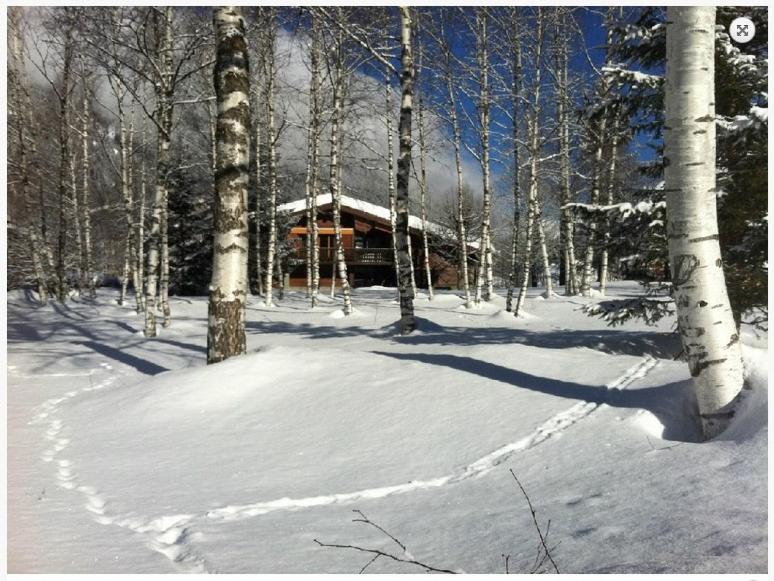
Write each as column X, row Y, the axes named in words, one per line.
column 130, row 455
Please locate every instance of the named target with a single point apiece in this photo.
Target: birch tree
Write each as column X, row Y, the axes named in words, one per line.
column 709, row 334
column 20, row 118
column 484, row 280
column 533, row 209
column 407, row 322
column 269, row 99
column 516, row 97
column 453, row 117
column 422, row 162
column 567, row 275
column 337, row 81
column 226, row 309
column 313, row 248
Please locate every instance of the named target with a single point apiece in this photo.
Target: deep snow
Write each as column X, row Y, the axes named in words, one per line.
column 129, row 455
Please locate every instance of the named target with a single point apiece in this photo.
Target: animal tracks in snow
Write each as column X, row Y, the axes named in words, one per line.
column 551, row 427
column 165, row 535
column 168, row 535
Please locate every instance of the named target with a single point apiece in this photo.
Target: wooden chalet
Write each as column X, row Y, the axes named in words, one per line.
column 367, row 238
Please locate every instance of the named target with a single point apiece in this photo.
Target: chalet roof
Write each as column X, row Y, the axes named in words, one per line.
column 298, row 206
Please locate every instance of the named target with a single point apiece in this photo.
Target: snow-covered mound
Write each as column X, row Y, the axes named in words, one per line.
column 131, row 455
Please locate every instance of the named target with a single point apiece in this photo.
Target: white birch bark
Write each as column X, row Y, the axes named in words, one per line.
column 391, row 185
column 140, row 230
column 21, row 112
column 335, row 184
column 516, row 90
column 709, row 334
column 533, row 211
column 88, row 265
column 457, row 141
column 164, row 93
column 228, row 290
column 272, row 164
column 588, row 260
column 65, row 162
column 610, row 186
column 423, row 172
column 312, row 229
column 406, row 267
column 563, row 114
column 485, row 279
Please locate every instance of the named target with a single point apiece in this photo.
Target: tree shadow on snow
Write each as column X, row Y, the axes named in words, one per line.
column 614, row 342
column 673, row 404
column 141, row 365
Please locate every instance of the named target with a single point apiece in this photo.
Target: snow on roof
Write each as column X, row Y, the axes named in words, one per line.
column 298, row 206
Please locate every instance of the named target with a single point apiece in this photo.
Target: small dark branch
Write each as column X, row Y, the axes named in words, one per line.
column 368, row 521
column 379, row 553
column 537, row 526
column 507, row 563
column 369, row 563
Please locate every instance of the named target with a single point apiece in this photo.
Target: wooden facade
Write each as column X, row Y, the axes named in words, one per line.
column 368, row 252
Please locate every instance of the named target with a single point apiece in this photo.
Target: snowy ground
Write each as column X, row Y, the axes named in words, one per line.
column 129, row 455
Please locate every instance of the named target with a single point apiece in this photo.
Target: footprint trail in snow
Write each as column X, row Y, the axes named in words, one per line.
column 168, row 535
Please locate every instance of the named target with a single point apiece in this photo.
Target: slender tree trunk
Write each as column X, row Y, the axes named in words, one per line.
column 159, row 276
column 88, row 266
column 588, row 261
column 140, row 233
column 568, row 275
column 76, row 220
column 126, row 187
column 272, row 167
column 255, row 250
column 423, row 192
column 457, row 139
column 485, row 279
column 391, row 186
column 226, row 309
column 20, row 112
column 312, row 229
column 533, row 213
column 338, row 87
column 609, row 201
column 516, row 90
column 64, row 165
column 407, row 321
column 709, row 334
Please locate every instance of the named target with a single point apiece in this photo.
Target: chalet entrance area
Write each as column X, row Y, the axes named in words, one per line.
column 367, row 239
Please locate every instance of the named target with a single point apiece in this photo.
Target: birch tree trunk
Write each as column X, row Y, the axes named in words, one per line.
column 423, row 174
column 588, row 261
column 709, row 334
column 312, row 229
column 228, row 290
column 457, row 139
column 609, row 201
column 614, row 113
column 88, row 266
column 272, row 165
column 533, row 214
column 335, row 185
column 21, row 112
column 568, row 276
column 140, row 231
column 407, row 321
column 391, row 187
column 516, row 90
column 485, row 280
column 126, row 187
column 156, row 277
column 64, row 163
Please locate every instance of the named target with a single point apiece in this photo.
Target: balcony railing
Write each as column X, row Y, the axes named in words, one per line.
column 352, row 255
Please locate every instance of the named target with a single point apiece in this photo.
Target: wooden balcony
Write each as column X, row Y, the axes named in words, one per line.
column 353, row 256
